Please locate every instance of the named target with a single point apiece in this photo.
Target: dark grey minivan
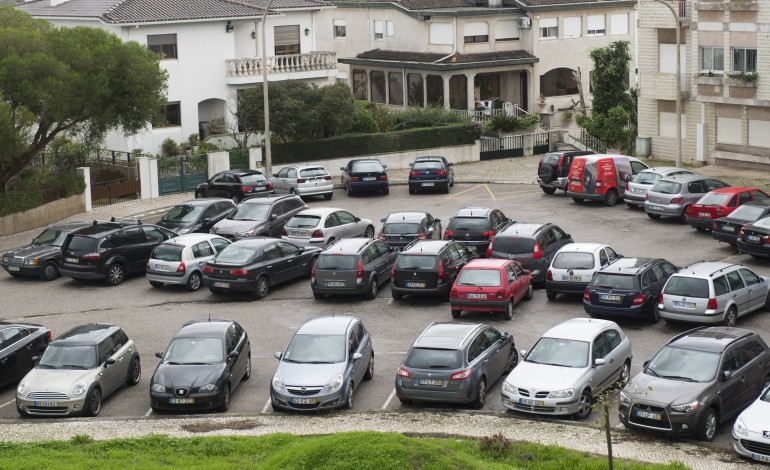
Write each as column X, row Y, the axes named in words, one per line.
column 532, row 245
column 352, row 266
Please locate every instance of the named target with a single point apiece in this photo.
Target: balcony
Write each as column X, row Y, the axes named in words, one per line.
column 291, row 66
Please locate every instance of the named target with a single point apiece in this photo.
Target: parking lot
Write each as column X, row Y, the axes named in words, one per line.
column 151, row 316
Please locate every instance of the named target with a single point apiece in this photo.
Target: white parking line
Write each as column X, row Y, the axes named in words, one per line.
column 264, row 408
column 390, row 397
column 7, row 403
column 149, row 412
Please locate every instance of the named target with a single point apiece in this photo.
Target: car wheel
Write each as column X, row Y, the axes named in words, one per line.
column 348, row 190
column 625, row 374
column 766, row 383
column 481, row 395
column 370, row 369
column 236, row 198
column 263, row 285
column 584, row 405
column 134, row 372
column 508, row 310
column 50, row 271
column 513, row 358
column 247, row 373
column 730, row 317
column 349, row 401
column 654, row 314
column 456, row 313
column 93, row 402
column 767, row 302
column 530, row 292
column 194, row 281
column 225, row 400
column 653, row 216
column 579, row 200
column 700, row 229
column 318, row 296
column 412, row 190
column 328, row 196
column 386, row 191
column 550, row 295
column 683, row 216
column 156, row 284
column 396, row 295
column 452, row 183
column 631, row 206
column 611, row 198
column 369, row 232
column 548, row 190
column 199, row 194
column 115, row 274
column 293, row 192
column 276, row 408
column 708, row 425
column 216, row 291
column 371, row 293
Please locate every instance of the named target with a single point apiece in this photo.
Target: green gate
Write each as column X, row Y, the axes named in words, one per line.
column 181, row 174
column 239, row 159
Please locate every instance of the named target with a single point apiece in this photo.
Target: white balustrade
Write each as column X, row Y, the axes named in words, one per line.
column 252, row 66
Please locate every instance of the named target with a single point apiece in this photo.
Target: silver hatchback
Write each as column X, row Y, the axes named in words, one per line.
column 180, row 260
column 305, row 180
column 636, row 189
column 671, row 195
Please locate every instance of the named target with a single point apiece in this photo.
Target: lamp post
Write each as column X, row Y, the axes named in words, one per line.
column 677, row 18
column 265, row 99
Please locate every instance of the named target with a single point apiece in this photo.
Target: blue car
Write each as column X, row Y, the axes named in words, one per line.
column 431, row 173
column 365, row 175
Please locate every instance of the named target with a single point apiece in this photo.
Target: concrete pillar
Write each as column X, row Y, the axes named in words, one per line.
column 153, row 173
column 85, row 173
column 424, row 90
column 529, row 144
column 218, row 161
column 445, row 82
column 255, row 158
column 145, row 177
column 470, row 91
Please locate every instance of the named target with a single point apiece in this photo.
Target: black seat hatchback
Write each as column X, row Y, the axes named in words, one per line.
column 428, row 267
column 474, row 227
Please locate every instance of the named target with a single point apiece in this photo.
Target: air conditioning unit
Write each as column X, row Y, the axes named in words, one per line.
column 525, row 22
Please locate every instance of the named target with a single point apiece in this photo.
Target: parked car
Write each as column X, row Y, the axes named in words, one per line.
column 78, row 370
column 754, row 239
column 699, row 379
column 601, row 177
column 365, row 174
column 180, row 260
column 259, row 217
column 751, row 438
column 636, row 189
column 235, row 185
column 325, row 361
column 42, row 257
column 352, row 266
column 726, row 229
column 570, row 364
column 202, row 366
column 553, row 169
column 474, row 227
column 304, row 179
column 532, row 245
column 720, row 203
column 320, row 227
column 628, row 288
column 430, row 174
column 196, row 215
column 19, row 343
column 428, row 267
column 256, row 265
column 672, row 195
column 713, row 292
column 574, row 265
column 490, row 285
column 455, row 363
column 111, row 250
column 402, row 228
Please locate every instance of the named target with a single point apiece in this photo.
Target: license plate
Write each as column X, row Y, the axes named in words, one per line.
column 222, row 285
column 649, row 415
column 752, row 238
column 161, row 267
column 335, row 283
column 430, row 382
column 414, row 284
column 528, row 402
column 428, row 184
column 678, row 303
column 610, row 298
column 299, row 233
column 728, row 228
column 14, row 268
column 571, row 278
column 46, row 404
column 653, row 207
column 71, row 260
column 704, row 214
column 638, row 191
column 575, row 182
column 181, row 401
column 259, row 188
column 304, row 401
column 476, row 296
column 760, row 457
column 473, row 248
column 369, row 178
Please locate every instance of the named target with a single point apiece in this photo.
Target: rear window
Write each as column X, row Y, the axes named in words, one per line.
column 667, row 187
column 233, row 254
column 763, row 223
column 479, row 278
column 514, row 245
column 367, row 167
column 428, row 166
column 337, row 262
column 304, row 221
column 468, row 223
column 416, row 262
column 425, row 358
column 646, row 177
column 715, row 199
column 167, row 252
column 183, row 213
column 401, row 228
column 748, row 212
column 615, row 281
column 312, row 172
column 572, row 260
column 82, row 243
column 551, row 159
column 687, row 287
column 256, row 178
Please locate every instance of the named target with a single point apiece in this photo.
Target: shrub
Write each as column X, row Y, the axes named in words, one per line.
column 364, row 123
column 506, row 123
column 496, row 447
column 433, row 116
column 206, row 147
column 169, row 148
column 38, row 186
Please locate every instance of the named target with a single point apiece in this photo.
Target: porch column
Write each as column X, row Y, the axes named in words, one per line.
column 424, row 90
column 404, row 89
column 387, row 86
column 445, row 83
column 469, row 86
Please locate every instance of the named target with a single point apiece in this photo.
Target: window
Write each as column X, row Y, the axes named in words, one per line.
column 477, row 347
column 134, row 236
column 476, row 32
column 272, row 252
column 613, row 338
column 389, row 30
column 414, row 89
column 220, row 244
column 202, row 249
column 602, row 258
column 601, row 347
column 549, row 28
column 611, row 253
column 288, row 249
column 573, row 27
column 359, row 84
column 648, row 278
column 153, row 235
column 379, row 30
column 378, row 86
column 345, row 217
column 758, row 195
column 340, row 31
column 10, row 336
column 595, row 25
column 721, row 287
column 619, row 24
column 435, row 88
column 749, row 277
column 286, row 39
column 712, row 59
column 396, row 88
column 168, row 116
column 735, row 281
column 558, row 82
column 745, row 60
column 163, row 44
column 667, row 58
column 441, row 33
column 506, row 30
column 105, row 349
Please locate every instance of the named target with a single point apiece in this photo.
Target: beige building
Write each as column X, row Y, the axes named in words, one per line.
column 725, row 63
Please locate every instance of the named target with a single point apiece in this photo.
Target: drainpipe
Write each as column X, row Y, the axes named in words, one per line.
column 454, row 41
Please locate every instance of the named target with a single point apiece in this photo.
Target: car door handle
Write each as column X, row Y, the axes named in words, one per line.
column 291, row 261
column 268, row 267
column 612, row 360
column 29, row 346
column 3, row 360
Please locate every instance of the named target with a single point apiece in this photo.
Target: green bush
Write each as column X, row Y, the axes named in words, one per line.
column 169, row 148
column 412, row 118
column 364, row 123
column 506, row 123
column 38, row 186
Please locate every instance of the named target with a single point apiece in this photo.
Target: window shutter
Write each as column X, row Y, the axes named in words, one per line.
column 619, row 24
column 286, row 35
column 506, row 29
column 441, row 33
column 549, row 22
column 595, row 23
column 573, row 26
column 378, row 27
column 479, row 28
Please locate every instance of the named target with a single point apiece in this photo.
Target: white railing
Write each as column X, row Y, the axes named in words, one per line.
column 483, row 115
column 251, row 66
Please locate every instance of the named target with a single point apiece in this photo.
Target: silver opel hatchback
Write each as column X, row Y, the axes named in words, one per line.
column 671, row 195
column 180, row 260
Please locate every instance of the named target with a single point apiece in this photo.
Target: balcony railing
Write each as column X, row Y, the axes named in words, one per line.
column 252, row 66
column 682, row 10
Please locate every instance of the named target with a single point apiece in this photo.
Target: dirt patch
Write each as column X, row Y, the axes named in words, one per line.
column 240, row 425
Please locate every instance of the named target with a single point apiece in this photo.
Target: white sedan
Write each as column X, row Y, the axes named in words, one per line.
column 751, row 431
column 320, row 227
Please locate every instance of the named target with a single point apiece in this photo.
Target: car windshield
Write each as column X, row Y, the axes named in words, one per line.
column 763, row 223
column 687, row 287
column 646, row 177
column 234, row 254
column 479, row 278
column 167, row 252
column 304, row 221
column 676, row 363
column 316, row 349
column 82, row 243
column 367, row 167
column 667, row 187
column 428, row 165
column 613, row 281
column 337, row 261
column 559, row 352
column 416, row 262
column 183, row 213
column 253, row 179
column 714, row 199
column 572, row 260
column 514, row 245
column 401, row 228
column 745, row 212
column 312, row 172
column 51, row 237
column 468, row 223
column 195, row 351
column 65, row 356
column 428, row 358
column 248, row 211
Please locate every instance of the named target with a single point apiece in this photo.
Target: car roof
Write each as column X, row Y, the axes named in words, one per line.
column 733, row 189
column 357, row 160
column 243, row 172
column 487, row 263
column 69, row 226
column 473, row 212
column 446, row 335
column 429, row 157
column 758, row 203
column 320, row 211
column 98, row 228
column 303, row 166
column 203, row 328
column 580, row 329
column 627, row 265
column 686, row 178
column 709, row 338
column 395, row 217
column 426, row 247
column 88, row 333
column 662, row 169
column 705, row 269
column 204, row 201
column 521, row 229
column 190, row 239
column 268, row 199
column 256, row 242
column 599, row 156
column 334, row 325
column 5, row 324
column 585, row 247
column 347, row 246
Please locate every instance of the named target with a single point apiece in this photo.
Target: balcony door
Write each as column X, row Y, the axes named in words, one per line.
column 286, row 39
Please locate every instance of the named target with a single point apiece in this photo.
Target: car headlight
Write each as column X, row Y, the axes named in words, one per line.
column 158, row 388
column 30, row 262
column 182, row 231
column 79, row 389
column 208, row 388
column 510, row 388
column 334, row 385
column 6, row 259
column 686, row 407
column 277, row 383
column 250, row 233
column 624, row 398
column 22, row 387
column 740, row 427
column 567, row 393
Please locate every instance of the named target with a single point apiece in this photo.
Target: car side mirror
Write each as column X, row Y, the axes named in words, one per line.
column 357, row 219
column 437, row 221
column 450, row 164
column 275, row 175
column 342, row 168
column 645, row 364
column 727, row 374
column 206, row 221
column 278, row 354
column 384, row 167
column 233, row 355
column 411, row 165
column 599, row 362
column 109, row 362
column 523, row 352
column 35, row 359
column 382, row 220
column 273, row 216
column 159, row 355
column 301, row 249
column 357, row 356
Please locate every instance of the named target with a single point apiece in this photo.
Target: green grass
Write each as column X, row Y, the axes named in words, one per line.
column 356, row 450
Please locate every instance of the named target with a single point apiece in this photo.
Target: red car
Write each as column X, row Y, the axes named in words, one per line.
column 720, row 203
column 490, row 285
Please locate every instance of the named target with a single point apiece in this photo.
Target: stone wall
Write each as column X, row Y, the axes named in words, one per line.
column 42, row 216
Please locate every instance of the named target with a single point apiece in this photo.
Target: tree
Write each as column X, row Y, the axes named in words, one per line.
column 78, row 81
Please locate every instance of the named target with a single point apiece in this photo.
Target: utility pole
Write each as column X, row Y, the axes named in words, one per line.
column 266, row 100
column 677, row 19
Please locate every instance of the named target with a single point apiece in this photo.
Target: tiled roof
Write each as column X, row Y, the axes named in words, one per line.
column 553, row 3
column 430, row 57
column 433, row 4
column 72, row 8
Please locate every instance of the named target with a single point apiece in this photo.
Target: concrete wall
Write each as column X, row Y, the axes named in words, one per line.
column 42, row 216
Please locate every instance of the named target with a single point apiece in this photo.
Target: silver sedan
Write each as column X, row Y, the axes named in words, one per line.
column 319, row 227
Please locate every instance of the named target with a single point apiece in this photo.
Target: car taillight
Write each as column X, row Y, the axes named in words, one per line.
column 393, row 270
column 239, row 272
column 690, row 210
column 148, row 265
column 360, row 271
column 414, row 173
column 639, row 299
column 312, row 271
column 712, row 305
column 328, row 178
column 384, row 178
column 677, row 200
column 714, row 225
column 284, row 233
column 246, row 189
column 300, row 180
column 741, row 234
column 587, row 295
column 317, row 233
column 488, row 233
column 49, row 336
column 441, row 272
column 381, row 236
column 489, row 248
column 403, row 373
column 720, row 212
column 453, row 292
column 500, row 293
column 269, row 185
column 462, row 375
column 92, row 256
column 766, row 239
column 354, row 178
column 538, row 253
column 448, row 234
column 660, row 298
column 421, row 235
column 181, row 268
column 548, row 275
column 441, row 172
column 208, row 269
column 646, row 197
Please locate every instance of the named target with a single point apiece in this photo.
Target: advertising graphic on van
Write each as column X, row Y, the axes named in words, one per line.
column 601, row 177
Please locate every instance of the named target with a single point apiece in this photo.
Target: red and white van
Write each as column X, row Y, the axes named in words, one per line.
column 601, row 177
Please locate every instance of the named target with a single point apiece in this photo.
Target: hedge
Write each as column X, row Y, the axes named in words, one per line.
column 370, row 144
column 38, row 187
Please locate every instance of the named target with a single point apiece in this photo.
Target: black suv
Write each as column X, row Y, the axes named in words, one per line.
column 196, row 215
column 111, row 250
column 235, row 185
column 532, row 245
column 365, row 174
column 474, row 227
column 428, row 267
column 430, row 174
column 42, row 257
column 628, row 287
column 553, row 169
column 402, row 228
